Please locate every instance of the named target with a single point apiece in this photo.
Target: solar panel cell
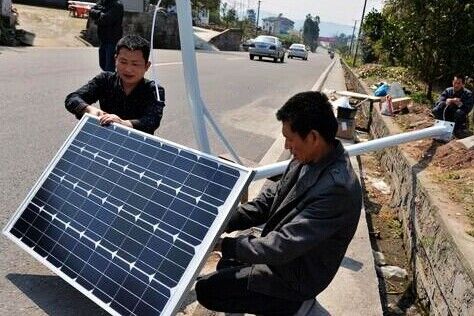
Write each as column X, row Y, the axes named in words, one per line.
column 122, row 216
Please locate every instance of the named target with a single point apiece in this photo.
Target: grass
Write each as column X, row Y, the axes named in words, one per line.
column 420, row 97
column 459, row 186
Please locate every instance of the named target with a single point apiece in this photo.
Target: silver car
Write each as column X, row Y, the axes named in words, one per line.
column 267, row 46
column 298, row 50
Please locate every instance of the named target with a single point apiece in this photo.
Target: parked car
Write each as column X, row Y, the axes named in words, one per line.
column 267, row 46
column 298, row 50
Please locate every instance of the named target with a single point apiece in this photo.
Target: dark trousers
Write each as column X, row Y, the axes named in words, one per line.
column 226, row 290
column 452, row 114
column 107, row 56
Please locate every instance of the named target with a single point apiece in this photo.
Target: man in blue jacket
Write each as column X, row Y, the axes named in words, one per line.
column 108, row 15
column 309, row 218
column 454, row 105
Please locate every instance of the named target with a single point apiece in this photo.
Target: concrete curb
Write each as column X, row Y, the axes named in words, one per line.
column 324, row 76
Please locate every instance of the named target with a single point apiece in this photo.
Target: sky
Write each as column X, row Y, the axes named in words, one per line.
column 337, row 11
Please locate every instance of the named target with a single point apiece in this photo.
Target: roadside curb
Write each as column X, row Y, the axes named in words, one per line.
column 324, row 76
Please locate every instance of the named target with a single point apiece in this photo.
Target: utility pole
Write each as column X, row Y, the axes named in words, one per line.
column 258, row 17
column 360, row 31
column 352, row 38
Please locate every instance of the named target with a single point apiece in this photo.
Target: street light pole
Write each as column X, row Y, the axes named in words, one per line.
column 358, row 36
column 258, row 17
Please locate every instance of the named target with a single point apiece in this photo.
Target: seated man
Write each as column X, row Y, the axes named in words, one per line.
column 125, row 96
column 454, row 105
column 309, row 217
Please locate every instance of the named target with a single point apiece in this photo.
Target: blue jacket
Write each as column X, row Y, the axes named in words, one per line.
column 465, row 95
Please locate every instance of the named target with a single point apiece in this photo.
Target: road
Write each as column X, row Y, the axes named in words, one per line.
column 242, row 96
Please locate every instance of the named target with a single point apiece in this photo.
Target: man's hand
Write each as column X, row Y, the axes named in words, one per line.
column 453, row 102
column 92, row 110
column 218, row 245
column 107, row 119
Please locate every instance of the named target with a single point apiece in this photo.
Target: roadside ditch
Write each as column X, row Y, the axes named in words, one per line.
column 419, row 225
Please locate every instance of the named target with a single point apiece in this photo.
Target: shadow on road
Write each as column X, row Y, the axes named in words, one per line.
column 54, row 296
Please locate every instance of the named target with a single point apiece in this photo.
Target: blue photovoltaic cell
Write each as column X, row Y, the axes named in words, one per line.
column 122, row 215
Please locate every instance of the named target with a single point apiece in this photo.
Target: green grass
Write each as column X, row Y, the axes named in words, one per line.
column 420, row 97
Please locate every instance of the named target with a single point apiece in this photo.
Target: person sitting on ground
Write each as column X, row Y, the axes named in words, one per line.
column 125, row 96
column 454, row 105
column 108, row 15
column 309, row 217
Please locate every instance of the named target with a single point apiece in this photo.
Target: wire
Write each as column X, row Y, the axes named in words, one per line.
column 153, row 71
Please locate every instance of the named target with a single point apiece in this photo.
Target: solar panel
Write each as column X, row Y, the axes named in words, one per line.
column 127, row 218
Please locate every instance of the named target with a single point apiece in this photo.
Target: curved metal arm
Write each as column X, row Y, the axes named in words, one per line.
column 441, row 130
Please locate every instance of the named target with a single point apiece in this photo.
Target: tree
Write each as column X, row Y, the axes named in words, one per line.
column 288, row 39
column 372, row 33
column 341, row 43
column 230, row 17
column 311, row 31
column 435, row 36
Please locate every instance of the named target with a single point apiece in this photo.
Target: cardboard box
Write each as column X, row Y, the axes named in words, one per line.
column 345, row 128
column 399, row 104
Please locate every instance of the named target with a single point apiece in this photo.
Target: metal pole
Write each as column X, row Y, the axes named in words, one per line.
column 441, row 130
column 352, row 38
column 258, row 17
column 221, row 136
column 358, row 36
column 186, row 35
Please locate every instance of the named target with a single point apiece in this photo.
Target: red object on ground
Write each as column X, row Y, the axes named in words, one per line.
column 79, row 11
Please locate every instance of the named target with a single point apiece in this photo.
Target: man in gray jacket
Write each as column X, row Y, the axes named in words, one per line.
column 309, row 217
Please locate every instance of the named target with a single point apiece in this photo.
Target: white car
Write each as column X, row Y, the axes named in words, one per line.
column 298, row 50
column 267, row 46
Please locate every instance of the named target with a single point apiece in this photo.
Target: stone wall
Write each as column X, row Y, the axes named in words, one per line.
column 439, row 250
column 166, row 28
column 229, row 40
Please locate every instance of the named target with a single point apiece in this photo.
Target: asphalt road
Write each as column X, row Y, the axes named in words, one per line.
column 242, row 96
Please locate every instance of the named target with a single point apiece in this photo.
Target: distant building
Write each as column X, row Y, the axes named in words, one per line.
column 277, row 25
column 251, row 16
column 326, row 41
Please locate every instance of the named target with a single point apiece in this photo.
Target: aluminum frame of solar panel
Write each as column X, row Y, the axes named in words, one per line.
column 245, row 175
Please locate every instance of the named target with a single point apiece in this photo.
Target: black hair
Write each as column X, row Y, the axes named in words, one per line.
column 134, row 42
column 460, row 76
column 308, row 111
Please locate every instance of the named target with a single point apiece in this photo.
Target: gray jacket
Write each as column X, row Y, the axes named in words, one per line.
column 309, row 223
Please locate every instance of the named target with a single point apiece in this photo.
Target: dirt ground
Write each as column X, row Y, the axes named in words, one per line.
column 385, row 231
column 52, row 27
